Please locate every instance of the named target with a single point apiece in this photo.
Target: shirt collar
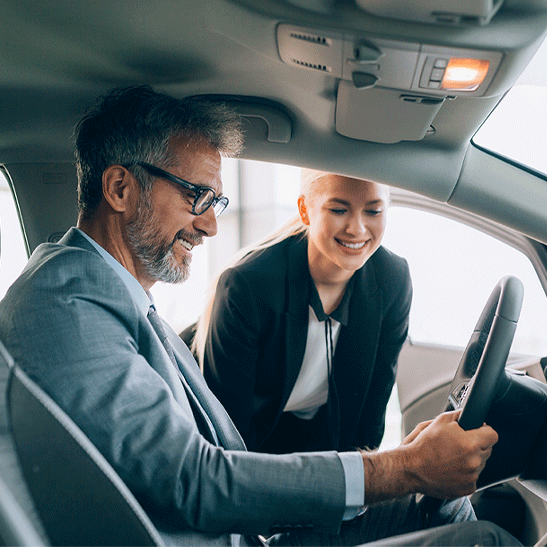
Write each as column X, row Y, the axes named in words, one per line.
column 140, row 296
column 341, row 313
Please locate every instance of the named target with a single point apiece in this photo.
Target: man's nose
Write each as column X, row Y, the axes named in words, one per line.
column 207, row 223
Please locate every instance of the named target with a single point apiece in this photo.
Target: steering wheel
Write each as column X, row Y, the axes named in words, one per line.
column 476, row 380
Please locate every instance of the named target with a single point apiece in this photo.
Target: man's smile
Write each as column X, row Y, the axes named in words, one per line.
column 187, row 241
column 186, row 244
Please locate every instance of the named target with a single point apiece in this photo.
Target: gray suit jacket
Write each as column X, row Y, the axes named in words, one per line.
column 72, row 325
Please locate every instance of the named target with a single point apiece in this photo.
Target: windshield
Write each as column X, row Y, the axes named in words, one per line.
column 516, row 128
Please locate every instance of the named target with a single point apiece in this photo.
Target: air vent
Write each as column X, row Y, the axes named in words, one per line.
column 308, row 48
column 314, row 38
column 322, row 68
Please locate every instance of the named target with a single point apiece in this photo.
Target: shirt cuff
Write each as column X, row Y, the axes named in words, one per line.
column 354, row 471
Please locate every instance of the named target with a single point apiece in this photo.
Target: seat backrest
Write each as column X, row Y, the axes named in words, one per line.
column 19, row 521
column 16, row 527
column 81, row 500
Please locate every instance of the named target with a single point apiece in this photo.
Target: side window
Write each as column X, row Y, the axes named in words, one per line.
column 454, row 268
column 13, row 254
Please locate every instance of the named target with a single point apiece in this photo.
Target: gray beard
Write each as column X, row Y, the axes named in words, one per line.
column 156, row 256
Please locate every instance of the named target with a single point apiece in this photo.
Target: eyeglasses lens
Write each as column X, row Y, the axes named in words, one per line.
column 221, row 204
column 203, row 201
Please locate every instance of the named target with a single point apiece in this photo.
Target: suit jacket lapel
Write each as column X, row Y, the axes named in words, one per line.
column 356, row 348
column 296, row 313
column 224, row 428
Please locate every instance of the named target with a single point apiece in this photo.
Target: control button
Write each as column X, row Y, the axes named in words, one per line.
column 440, row 63
column 367, row 54
column 436, row 74
column 363, row 80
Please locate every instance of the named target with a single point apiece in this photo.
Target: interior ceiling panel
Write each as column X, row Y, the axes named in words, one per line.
column 56, row 59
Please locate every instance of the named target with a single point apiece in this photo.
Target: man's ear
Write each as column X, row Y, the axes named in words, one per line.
column 120, row 188
column 303, row 211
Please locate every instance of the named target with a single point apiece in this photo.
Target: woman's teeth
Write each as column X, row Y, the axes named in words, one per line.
column 353, row 245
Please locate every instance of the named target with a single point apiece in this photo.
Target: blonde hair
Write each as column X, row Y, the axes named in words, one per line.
column 308, row 181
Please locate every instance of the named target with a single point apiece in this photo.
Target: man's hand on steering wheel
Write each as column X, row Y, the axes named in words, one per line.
column 444, row 460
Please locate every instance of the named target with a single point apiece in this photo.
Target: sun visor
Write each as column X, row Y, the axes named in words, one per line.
column 384, row 115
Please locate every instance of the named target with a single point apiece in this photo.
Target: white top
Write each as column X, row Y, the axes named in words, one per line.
column 311, row 389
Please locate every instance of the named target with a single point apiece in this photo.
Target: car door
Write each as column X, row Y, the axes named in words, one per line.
column 456, row 259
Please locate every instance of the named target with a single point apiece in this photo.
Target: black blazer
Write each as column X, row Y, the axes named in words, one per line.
column 257, row 339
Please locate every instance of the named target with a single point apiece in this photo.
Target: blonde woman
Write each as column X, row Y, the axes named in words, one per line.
column 301, row 341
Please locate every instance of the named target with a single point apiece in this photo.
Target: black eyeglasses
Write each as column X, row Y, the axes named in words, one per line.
column 205, row 197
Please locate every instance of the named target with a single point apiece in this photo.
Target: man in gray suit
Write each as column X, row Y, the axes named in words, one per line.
column 80, row 321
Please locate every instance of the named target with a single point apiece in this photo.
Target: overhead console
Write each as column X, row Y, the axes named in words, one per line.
column 369, row 62
column 414, row 78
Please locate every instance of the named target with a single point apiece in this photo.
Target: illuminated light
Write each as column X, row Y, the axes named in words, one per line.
column 464, row 74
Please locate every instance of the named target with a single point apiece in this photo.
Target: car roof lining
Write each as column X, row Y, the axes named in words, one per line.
column 51, row 77
column 55, row 77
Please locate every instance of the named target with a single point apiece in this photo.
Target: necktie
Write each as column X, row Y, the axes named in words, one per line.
column 200, row 413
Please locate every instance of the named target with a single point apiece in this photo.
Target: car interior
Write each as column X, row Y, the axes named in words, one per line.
column 408, row 93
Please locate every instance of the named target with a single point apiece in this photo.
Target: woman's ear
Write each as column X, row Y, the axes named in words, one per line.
column 303, row 211
column 120, row 188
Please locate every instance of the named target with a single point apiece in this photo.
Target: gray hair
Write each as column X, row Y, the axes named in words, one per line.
column 137, row 124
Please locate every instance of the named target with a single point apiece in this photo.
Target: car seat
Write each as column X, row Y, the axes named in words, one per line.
column 19, row 521
column 79, row 497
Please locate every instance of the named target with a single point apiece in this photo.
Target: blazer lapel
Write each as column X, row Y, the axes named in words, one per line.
column 296, row 313
column 356, row 348
column 207, row 403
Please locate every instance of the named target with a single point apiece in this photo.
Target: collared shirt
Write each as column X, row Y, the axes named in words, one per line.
column 352, row 462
